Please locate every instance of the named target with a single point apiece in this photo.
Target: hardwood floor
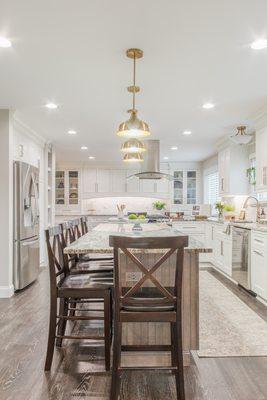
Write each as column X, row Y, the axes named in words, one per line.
column 78, row 370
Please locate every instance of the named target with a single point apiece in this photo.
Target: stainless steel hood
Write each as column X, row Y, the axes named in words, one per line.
column 150, row 167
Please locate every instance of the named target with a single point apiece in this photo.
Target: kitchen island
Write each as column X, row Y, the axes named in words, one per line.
column 97, row 241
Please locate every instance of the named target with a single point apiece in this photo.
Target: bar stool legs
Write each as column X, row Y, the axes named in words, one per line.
column 52, row 333
column 63, row 310
column 115, row 380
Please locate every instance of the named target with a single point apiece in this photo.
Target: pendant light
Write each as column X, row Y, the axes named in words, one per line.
column 241, row 137
column 133, row 146
column 133, row 127
column 133, row 157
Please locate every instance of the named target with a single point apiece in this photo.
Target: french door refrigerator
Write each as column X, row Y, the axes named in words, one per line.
column 26, row 259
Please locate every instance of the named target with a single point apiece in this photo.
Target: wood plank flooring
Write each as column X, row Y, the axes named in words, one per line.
column 78, row 370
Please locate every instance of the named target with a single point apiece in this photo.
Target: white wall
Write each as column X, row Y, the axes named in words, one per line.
column 6, row 198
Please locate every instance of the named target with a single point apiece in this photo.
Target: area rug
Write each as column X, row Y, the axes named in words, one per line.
column 228, row 327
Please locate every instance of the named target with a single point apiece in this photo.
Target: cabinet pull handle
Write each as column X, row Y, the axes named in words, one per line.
column 257, row 252
column 221, row 248
column 222, row 183
column 212, row 233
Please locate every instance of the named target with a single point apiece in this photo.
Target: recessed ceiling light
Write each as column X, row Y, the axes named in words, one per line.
column 71, row 132
column 208, row 106
column 91, row 157
column 259, row 44
column 5, row 43
column 51, row 106
column 174, row 148
column 84, row 148
column 187, row 133
column 165, row 158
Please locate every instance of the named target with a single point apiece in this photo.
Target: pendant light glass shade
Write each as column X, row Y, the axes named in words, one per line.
column 133, row 127
column 133, row 157
column 241, row 137
column 133, row 146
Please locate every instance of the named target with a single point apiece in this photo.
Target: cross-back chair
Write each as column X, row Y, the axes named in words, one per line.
column 148, row 304
column 72, row 290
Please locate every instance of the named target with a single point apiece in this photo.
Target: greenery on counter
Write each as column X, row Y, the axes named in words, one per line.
column 159, row 205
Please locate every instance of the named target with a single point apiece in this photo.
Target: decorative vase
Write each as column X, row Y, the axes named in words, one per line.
column 120, row 214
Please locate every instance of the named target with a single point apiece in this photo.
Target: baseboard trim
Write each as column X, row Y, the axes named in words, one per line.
column 6, row 291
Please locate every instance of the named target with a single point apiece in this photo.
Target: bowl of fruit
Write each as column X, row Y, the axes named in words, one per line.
column 137, row 220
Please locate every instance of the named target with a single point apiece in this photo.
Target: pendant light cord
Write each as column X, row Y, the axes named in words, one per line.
column 134, row 82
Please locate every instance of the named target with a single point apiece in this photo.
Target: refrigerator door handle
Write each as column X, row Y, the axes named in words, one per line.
column 29, row 243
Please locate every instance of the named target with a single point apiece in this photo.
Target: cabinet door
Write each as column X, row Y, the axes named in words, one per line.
column 89, row 180
column 148, row 186
column 224, row 171
column 103, row 181
column 261, row 160
column 258, row 273
column 178, row 187
column 163, row 185
column 61, row 188
column 132, row 183
column 191, row 187
column 74, row 188
column 118, row 181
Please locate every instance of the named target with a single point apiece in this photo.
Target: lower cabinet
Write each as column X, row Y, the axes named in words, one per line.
column 221, row 243
column 259, row 263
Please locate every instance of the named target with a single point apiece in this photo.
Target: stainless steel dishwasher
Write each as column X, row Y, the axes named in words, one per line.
column 241, row 257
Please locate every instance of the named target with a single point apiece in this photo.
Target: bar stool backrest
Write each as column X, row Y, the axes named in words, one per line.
column 75, row 223
column 84, row 225
column 58, row 264
column 131, row 247
column 68, row 233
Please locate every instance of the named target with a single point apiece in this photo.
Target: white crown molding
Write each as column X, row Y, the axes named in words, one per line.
column 259, row 119
column 27, row 131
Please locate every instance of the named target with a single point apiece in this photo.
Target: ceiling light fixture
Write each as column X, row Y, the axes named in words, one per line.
column 241, row 137
column 208, row 106
column 133, row 146
column 174, row 148
column 165, row 158
column 133, row 157
column 84, row 148
column 91, row 157
column 187, row 133
column 133, row 127
column 71, row 132
column 259, row 44
column 5, row 43
column 51, row 106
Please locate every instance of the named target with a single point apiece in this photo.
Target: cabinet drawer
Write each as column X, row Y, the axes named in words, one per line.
column 190, row 227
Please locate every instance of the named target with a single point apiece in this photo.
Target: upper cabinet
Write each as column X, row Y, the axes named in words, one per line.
column 186, row 187
column 67, row 190
column 233, row 162
column 261, row 160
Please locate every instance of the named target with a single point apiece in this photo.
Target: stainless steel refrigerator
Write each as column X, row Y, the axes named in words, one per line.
column 26, row 258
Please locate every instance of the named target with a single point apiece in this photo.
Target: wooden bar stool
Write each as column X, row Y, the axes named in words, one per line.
column 72, row 290
column 131, row 306
column 93, row 257
column 79, row 264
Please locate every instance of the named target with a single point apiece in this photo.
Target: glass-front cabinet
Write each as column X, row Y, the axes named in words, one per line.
column 185, row 187
column 67, row 190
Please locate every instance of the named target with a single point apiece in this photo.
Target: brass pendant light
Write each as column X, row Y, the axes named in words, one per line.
column 133, row 157
column 133, row 127
column 133, row 146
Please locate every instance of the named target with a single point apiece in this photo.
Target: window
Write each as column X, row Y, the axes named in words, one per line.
column 212, row 188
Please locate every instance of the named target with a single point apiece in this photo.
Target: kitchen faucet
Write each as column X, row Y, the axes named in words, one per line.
column 257, row 205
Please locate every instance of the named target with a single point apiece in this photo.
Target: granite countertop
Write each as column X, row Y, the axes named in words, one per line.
column 254, row 226
column 97, row 240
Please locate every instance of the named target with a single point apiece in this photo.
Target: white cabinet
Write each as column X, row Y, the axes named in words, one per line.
column 233, row 162
column 261, row 160
column 163, row 185
column 132, row 183
column 186, row 186
column 67, row 191
column 221, row 243
column 259, row 263
column 103, row 184
column 118, row 178
column 89, row 180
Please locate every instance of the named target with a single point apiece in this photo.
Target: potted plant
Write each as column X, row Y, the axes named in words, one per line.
column 219, row 208
column 159, row 205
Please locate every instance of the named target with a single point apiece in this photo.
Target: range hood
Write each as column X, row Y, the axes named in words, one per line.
column 150, row 168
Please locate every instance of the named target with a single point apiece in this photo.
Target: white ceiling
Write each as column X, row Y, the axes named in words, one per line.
column 72, row 53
